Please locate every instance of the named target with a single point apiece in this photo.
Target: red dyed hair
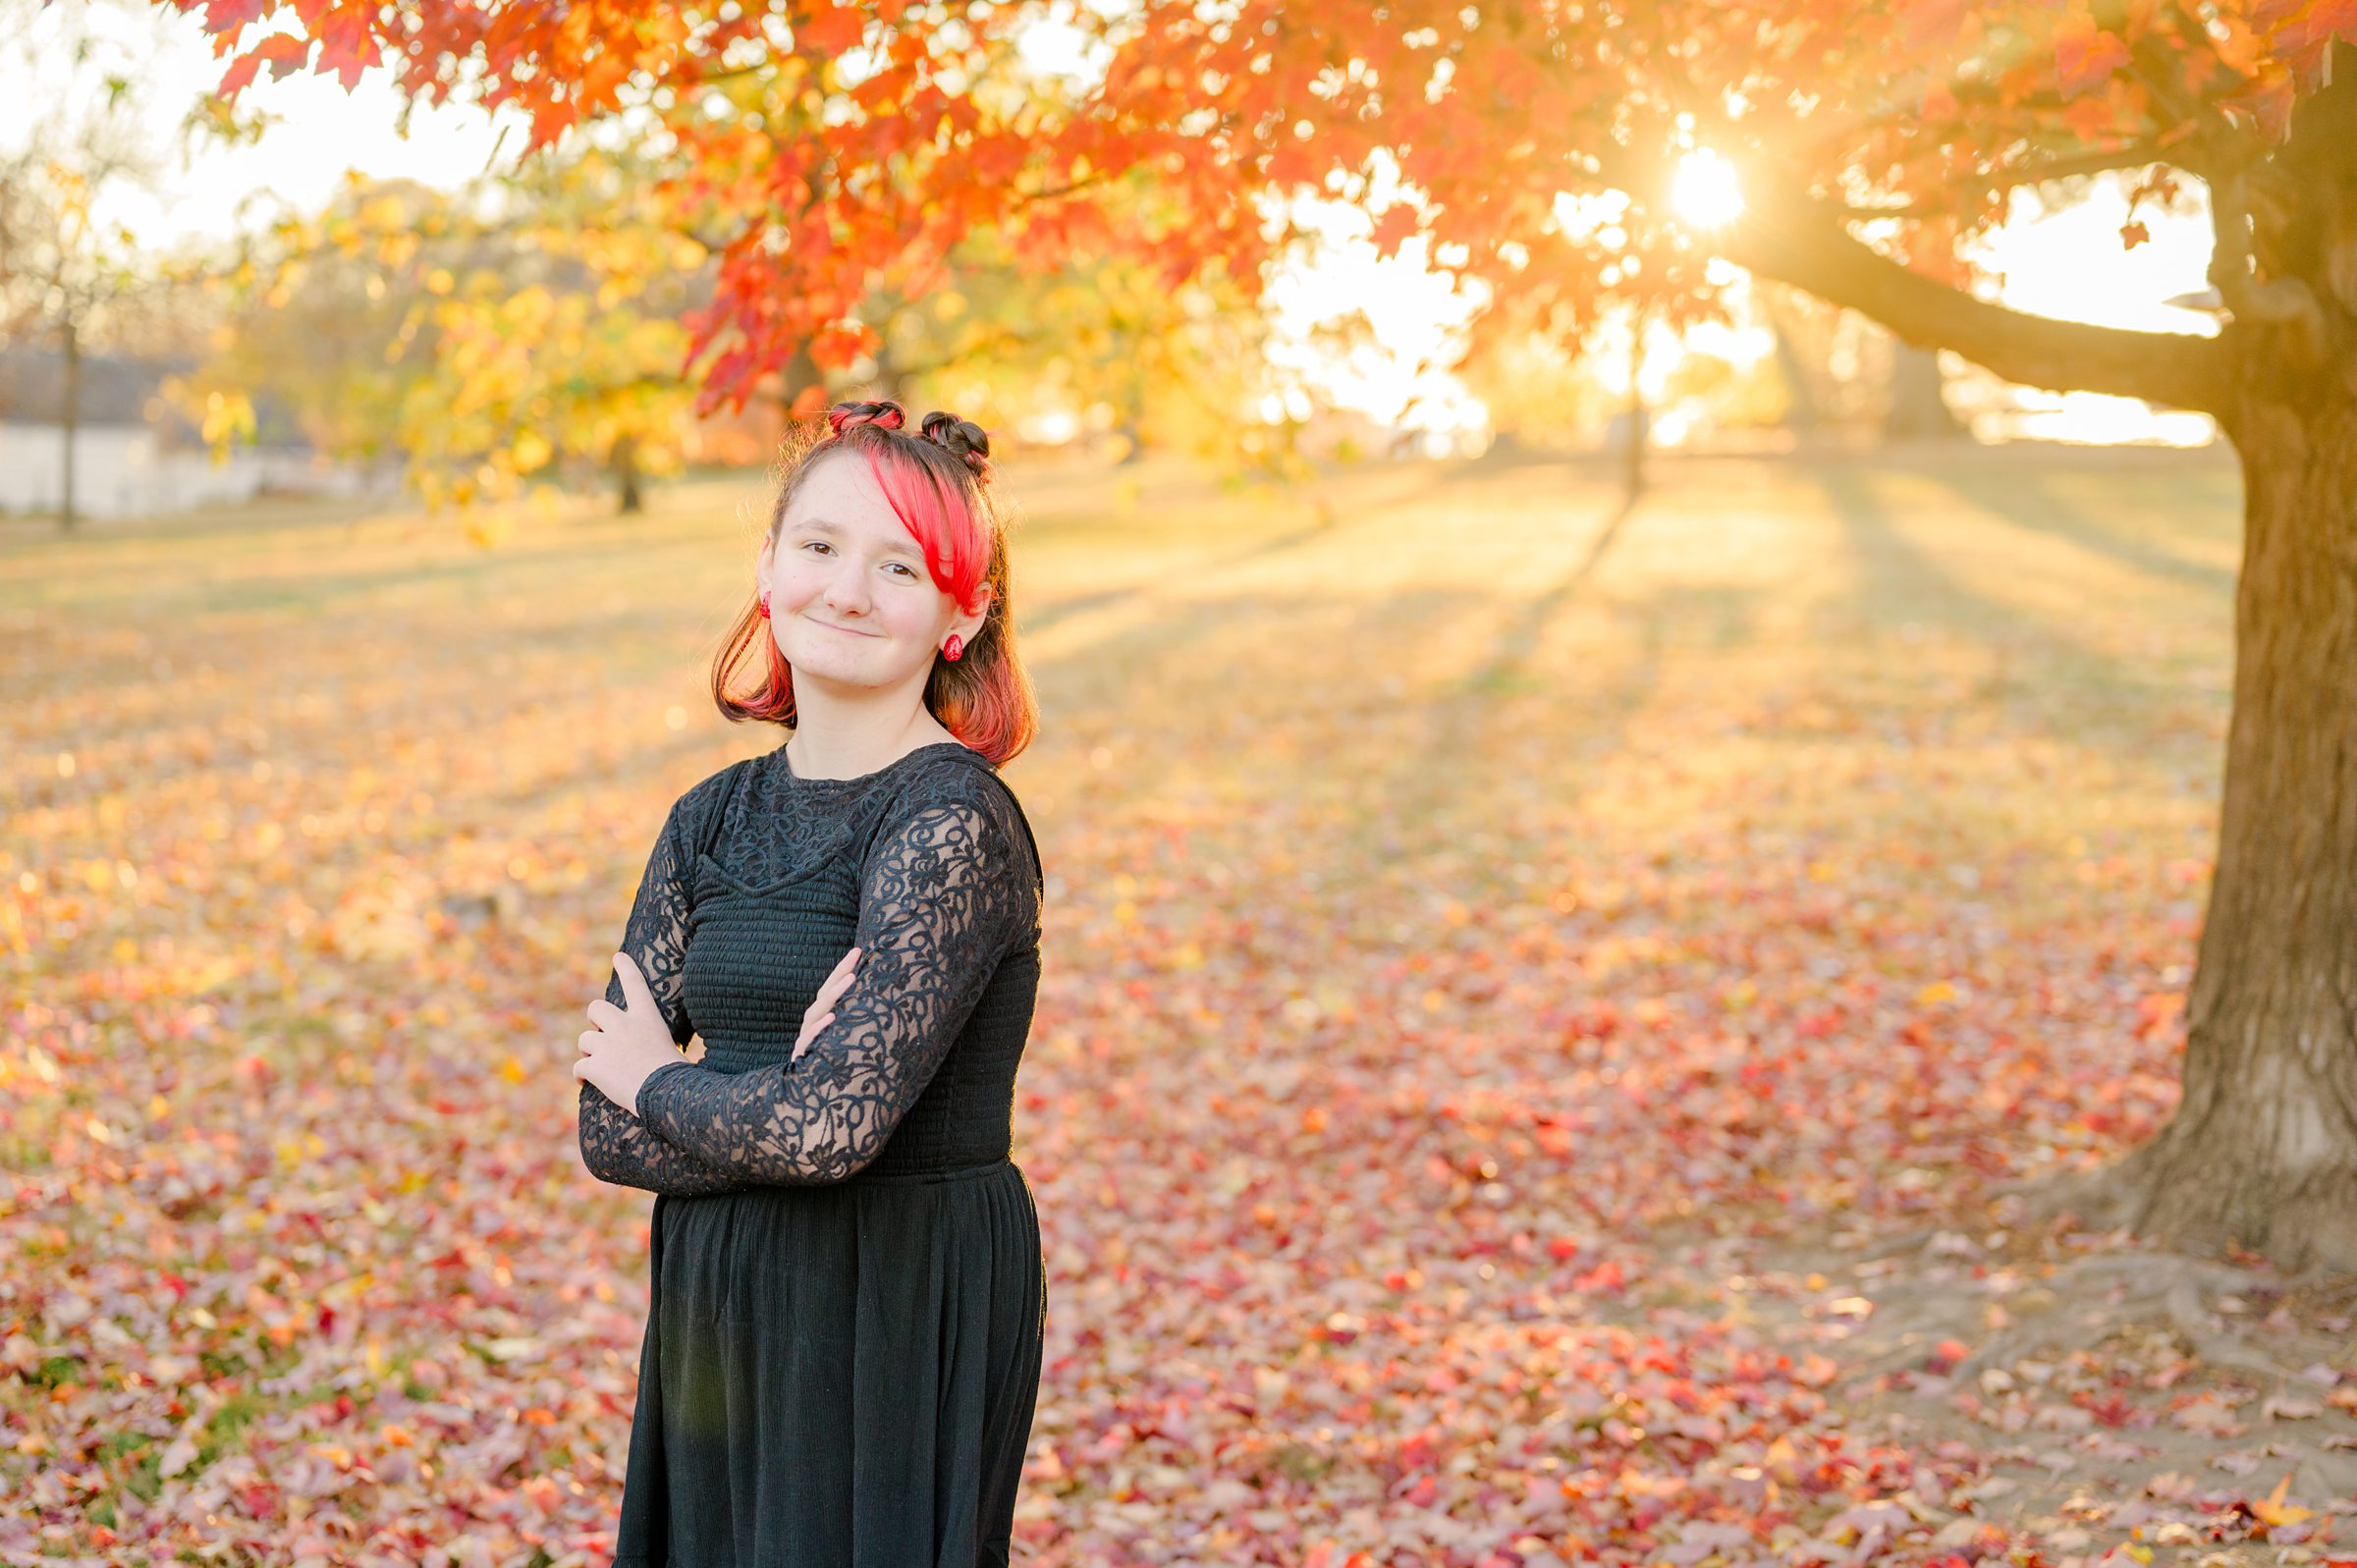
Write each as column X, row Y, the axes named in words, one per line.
column 939, row 482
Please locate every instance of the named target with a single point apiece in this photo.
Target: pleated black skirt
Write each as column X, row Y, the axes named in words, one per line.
column 836, row 1376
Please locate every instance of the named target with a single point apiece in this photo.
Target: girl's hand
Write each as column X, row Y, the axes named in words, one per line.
column 821, row 1011
column 629, row 1043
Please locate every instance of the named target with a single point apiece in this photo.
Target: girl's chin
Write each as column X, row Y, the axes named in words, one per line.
column 818, row 642
column 837, row 668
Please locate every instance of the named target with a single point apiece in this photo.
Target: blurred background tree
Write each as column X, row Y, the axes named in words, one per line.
column 516, row 328
column 71, row 281
column 1099, row 346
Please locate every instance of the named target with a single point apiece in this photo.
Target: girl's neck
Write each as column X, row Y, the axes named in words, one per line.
column 833, row 750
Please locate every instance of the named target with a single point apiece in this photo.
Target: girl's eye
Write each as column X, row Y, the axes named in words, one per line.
column 900, row 567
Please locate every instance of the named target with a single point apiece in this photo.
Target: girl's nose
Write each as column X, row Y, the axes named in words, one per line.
column 846, row 591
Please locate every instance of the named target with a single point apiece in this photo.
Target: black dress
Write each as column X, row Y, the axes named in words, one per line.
column 846, row 1294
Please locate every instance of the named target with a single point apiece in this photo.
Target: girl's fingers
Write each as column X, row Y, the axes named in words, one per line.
column 810, row 1031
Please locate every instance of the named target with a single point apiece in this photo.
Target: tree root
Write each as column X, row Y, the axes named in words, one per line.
column 2174, row 1284
column 2092, row 1296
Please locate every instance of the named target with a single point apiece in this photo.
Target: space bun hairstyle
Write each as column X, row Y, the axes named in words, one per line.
column 939, row 480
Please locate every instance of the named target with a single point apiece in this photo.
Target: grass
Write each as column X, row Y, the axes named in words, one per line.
column 1435, row 793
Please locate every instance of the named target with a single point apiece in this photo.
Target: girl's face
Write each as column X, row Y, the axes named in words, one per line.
column 849, row 598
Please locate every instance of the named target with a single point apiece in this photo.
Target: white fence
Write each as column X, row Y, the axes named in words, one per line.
column 121, row 470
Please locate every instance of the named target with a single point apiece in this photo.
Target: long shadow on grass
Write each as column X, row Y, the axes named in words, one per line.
column 1510, row 657
column 1905, row 585
column 1057, row 611
column 2029, row 497
column 1412, row 489
column 1461, row 717
column 1235, row 642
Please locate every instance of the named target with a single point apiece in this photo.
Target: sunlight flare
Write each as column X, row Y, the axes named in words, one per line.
column 1704, row 190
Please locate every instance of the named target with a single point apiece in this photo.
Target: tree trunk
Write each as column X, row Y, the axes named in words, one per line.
column 69, row 415
column 1132, row 425
column 1632, row 448
column 798, row 375
column 1800, row 386
column 1917, row 409
column 2261, row 1152
column 1632, row 478
column 626, row 476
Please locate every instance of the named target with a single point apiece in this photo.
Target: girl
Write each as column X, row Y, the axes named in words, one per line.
column 847, row 1289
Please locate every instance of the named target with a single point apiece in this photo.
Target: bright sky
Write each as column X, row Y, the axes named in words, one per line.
column 323, row 130
column 2068, row 265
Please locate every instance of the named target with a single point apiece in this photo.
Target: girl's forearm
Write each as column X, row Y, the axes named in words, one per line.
column 618, row 1148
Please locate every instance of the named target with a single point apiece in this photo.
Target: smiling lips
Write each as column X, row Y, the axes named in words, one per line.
column 845, row 631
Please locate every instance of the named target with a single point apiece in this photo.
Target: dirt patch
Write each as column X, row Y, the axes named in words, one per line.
column 2099, row 1402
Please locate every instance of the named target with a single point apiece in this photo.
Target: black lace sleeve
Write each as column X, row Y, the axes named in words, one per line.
column 616, row 1146
column 944, row 896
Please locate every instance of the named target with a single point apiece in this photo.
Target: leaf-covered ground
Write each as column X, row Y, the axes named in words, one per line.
column 1543, row 1004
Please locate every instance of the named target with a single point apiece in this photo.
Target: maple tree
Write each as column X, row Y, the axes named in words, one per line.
column 1916, row 123
column 1867, row 144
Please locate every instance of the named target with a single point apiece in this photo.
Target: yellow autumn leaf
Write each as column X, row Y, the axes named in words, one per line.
column 2274, row 1510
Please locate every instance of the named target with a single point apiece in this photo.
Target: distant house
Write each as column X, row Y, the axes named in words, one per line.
column 133, row 453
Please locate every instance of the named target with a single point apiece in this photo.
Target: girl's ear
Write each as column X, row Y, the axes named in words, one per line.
column 981, row 613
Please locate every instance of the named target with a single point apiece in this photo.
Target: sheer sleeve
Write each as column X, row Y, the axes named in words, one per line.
column 944, row 896
column 616, row 1146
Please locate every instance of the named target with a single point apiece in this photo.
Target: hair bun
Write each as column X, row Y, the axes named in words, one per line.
column 968, row 441
column 886, row 413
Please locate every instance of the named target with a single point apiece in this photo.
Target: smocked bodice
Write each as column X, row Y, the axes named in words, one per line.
column 759, row 884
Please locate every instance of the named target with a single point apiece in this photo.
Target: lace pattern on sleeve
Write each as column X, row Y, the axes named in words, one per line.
column 942, row 898
column 616, row 1145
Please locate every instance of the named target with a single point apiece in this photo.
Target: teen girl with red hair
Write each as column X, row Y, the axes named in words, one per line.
column 844, row 1328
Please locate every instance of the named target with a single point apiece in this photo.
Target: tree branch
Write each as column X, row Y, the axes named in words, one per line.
column 1055, row 192
column 2087, row 160
column 2270, row 302
column 1802, row 243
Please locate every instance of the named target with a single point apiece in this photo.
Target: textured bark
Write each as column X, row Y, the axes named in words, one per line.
column 2262, row 1153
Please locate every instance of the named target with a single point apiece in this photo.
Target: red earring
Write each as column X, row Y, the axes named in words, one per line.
column 951, row 649
column 765, row 603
